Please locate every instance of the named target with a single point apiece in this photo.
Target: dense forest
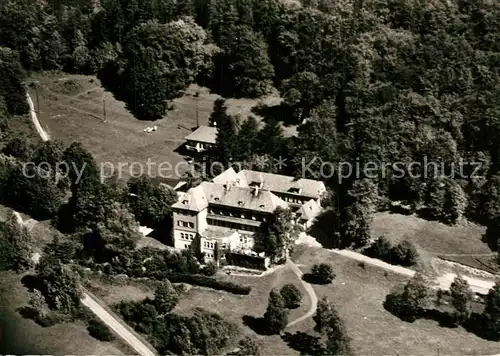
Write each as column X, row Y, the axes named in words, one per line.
column 380, row 81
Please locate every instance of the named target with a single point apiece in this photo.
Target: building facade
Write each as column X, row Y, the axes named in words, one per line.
column 227, row 213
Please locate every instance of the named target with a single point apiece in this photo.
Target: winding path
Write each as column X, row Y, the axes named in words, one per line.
column 43, row 134
column 309, row 289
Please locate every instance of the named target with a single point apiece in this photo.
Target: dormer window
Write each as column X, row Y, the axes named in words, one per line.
column 240, row 203
column 185, row 202
column 262, row 206
column 216, row 198
column 294, row 190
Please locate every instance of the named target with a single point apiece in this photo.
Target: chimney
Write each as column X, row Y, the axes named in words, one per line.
column 255, row 190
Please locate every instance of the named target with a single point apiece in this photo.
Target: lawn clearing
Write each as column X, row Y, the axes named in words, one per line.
column 112, row 294
column 234, row 307
column 61, row 339
column 358, row 293
column 460, row 243
column 431, row 236
column 72, row 109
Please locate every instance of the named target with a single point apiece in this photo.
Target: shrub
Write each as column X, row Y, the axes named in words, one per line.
column 405, row 253
column 395, row 304
column 204, row 281
column 291, row 295
column 166, row 298
column 47, row 320
column 380, row 249
column 323, row 273
column 410, row 304
column 209, row 270
column 100, row 331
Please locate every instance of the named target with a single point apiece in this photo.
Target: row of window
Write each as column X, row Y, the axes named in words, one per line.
column 185, row 224
column 187, row 236
column 185, row 212
column 241, row 215
column 233, row 226
column 209, row 245
column 209, row 255
column 292, row 200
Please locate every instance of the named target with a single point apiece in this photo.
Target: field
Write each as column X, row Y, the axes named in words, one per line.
column 460, row 243
column 359, row 293
column 234, row 308
column 61, row 339
column 72, row 109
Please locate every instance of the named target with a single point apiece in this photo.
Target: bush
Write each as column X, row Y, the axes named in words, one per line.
column 209, row 270
column 38, row 316
column 380, row 249
column 323, row 273
column 100, row 331
column 405, row 253
column 47, row 320
column 166, row 298
column 204, row 281
column 291, row 295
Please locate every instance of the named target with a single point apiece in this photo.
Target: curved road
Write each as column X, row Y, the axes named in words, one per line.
column 43, row 134
column 309, row 289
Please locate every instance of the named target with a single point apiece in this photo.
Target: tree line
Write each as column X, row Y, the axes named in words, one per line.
column 375, row 81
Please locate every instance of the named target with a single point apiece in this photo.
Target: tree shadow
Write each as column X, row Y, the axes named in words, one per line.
column 444, row 319
column 256, row 324
column 304, row 343
column 476, row 325
column 322, row 231
column 28, row 312
column 31, row 282
column 281, row 112
column 311, row 279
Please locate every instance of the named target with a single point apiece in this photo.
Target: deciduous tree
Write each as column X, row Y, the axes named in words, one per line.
column 162, row 60
column 291, row 295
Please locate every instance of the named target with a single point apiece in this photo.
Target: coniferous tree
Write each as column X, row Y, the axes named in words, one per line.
column 165, row 298
column 11, row 86
column 226, row 142
column 247, row 139
column 271, row 139
column 219, row 112
column 462, row 299
column 492, row 312
column 329, row 324
column 276, row 315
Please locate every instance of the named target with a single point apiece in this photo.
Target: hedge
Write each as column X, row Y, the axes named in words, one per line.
column 204, row 281
column 254, row 262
